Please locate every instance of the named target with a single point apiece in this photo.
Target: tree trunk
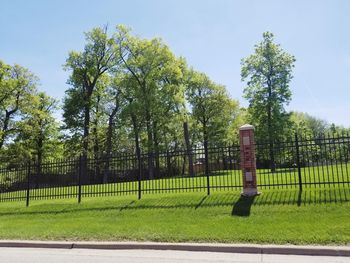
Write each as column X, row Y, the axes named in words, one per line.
column 206, row 154
column 4, row 130
column 269, row 129
column 108, row 148
column 189, row 149
column 156, row 149
column 85, row 178
column 109, row 140
column 168, row 164
column 96, row 144
column 137, row 144
column 38, row 159
column 40, row 156
column 96, row 177
column 149, row 146
column 6, row 122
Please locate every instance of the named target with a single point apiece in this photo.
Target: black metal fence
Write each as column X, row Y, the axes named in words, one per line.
column 296, row 162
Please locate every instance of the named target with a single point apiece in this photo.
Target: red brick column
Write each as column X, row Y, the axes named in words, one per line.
column 248, row 162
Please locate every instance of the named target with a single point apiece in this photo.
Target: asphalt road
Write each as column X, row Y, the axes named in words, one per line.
column 31, row 255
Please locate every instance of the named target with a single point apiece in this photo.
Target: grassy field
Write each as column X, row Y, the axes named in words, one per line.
column 277, row 216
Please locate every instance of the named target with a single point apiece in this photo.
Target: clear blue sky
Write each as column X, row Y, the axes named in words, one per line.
column 212, row 35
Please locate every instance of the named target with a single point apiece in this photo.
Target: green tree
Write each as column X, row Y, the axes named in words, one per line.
column 87, row 67
column 154, row 74
column 308, row 126
column 17, row 85
column 27, row 124
column 114, row 104
column 39, row 132
column 268, row 72
column 213, row 110
column 82, row 102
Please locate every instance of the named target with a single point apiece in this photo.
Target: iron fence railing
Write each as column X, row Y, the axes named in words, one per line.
column 296, row 162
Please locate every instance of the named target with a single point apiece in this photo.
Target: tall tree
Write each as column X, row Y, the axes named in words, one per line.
column 268, row 71
column 212, row 108
column 155, row 72
column 87, row 67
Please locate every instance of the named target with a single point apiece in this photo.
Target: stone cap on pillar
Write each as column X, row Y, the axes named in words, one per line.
column 246, row 127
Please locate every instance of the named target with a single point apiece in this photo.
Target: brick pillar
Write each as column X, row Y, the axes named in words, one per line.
column 248, row 162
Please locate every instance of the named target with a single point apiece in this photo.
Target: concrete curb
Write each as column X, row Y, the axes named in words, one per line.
column 36, row 244
column 343, row 251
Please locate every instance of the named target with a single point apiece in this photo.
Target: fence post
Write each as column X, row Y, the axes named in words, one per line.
column 79, row 178
column 139, row 160
column 28, row 184
column 298, row 162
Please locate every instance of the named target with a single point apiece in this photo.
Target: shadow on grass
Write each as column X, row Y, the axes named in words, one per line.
column 299, row 197
column 241, row 205
column 201, row 202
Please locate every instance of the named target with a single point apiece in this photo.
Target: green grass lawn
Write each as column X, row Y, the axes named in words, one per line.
column 277, row 216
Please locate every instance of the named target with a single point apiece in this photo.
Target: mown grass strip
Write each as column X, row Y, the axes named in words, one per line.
column 315, row 216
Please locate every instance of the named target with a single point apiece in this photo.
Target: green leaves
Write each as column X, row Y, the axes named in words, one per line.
column 27, row 126
column 212, row 108
column 17, row 88
column 40, row 133
column 99, row 56
column 133, row 76
column 153, row 82
column 88, row 68
column 268, row 72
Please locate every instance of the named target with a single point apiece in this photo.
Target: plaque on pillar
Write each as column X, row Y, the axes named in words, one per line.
column 248, row 176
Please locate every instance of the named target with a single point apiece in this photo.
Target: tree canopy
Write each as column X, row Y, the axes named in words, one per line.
column 268, row 73
column 129, row 94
